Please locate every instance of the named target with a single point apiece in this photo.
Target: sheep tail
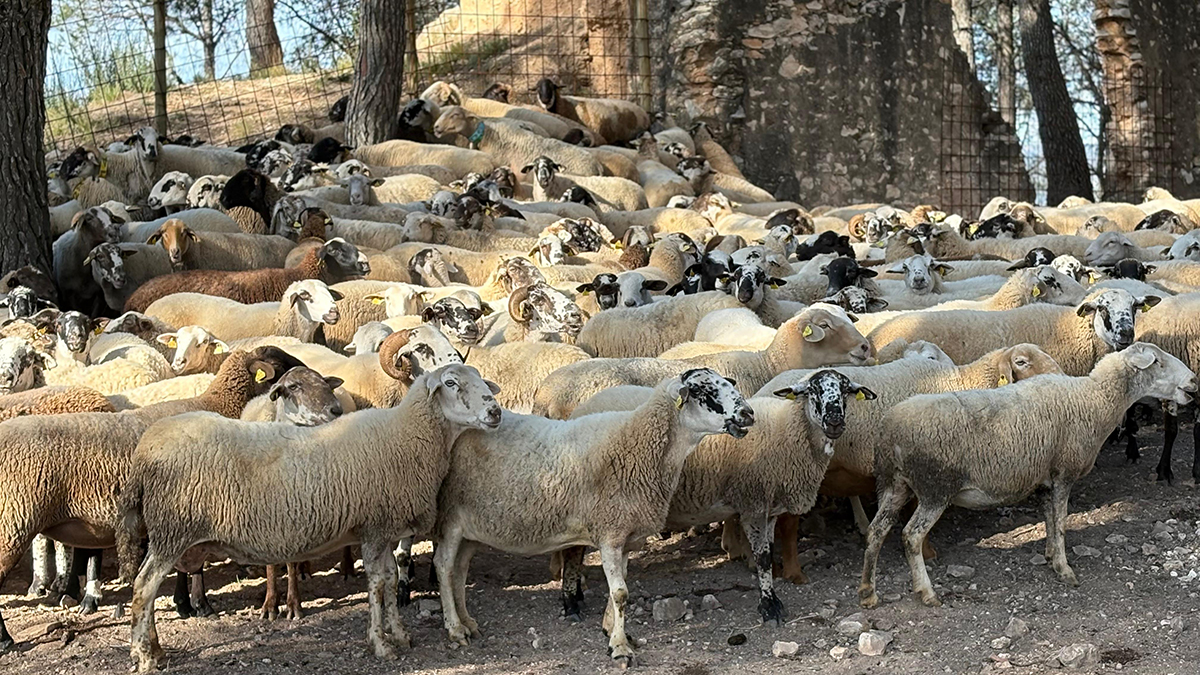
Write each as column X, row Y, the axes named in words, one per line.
column 130, row 528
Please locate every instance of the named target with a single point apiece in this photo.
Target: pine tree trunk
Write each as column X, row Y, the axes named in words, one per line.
column 1062, row 145
column 1007, row 74
column 266, row 54
column 961, row 11
column 208, row 31
column 1129, row 127
column 24, row 221
column 378, row 73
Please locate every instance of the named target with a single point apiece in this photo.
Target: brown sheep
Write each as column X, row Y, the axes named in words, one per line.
column 335, row 261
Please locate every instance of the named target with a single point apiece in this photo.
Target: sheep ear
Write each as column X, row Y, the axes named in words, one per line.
column 1141, row 357
column 154, row 238
column 583, row 289
column 1019, row 265
column 334, row 382
column 899, row 269
column 1149, row 301
column 487, row 309
column 48, row 362
column 867, row 273
column 876, row 304
column 167, row 339
column 87, row 262
column 492, row 387
column 219, row 347
column 1085, row 309
column 126, row 253
column 276, row 391
column 943, row 269
column 429, row 314
column 812, row 333
column 1150, row 269
column 374, row 298
column 262, row 371
column 475, row 313
column 775, row 282
column 860, row 392
column 824, row 269
column 335, row 295
column 377, row 182
column 790, row 393
column 681, row 396
column 527, row 168
column 654, row 285
column 852, row 316
column 350, row 348
column 193, row 236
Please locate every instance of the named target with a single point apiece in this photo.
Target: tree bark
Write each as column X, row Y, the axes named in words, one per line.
column 1128, row 127
column 24, row 221
column 961, row 12
column 1062, row 145
column 209, row 39
column 266, row 53
column 378, row 72
column 1007, row 75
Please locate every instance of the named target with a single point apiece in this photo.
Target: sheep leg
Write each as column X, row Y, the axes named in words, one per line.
column 787, row 538
column 556, row 566
column 572, row 583
column 63, row 560
column 10, row 554
column 294, row 612
column 144, row 648
column 445, row 555
column 613, row 559
column 860, row 515
column 891, row 500
column 380, row 566
column 406, row 571
column 918, row 527
column 270, row 606
column 1196, row 451
column 733, row 540
column 462, row 564
column 43, row 566
column 1170, row 431
column 199, row 596
column 183, row 603
column 1056, row 521
column 347, row 563
column 92, row 592
column 761, row 535
column 1129, row 429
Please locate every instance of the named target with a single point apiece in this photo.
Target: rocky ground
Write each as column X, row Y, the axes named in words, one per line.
column 1134, row 544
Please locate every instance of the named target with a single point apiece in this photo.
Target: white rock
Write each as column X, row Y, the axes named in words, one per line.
column 1074, row 657
column 785, row 650
column 709, row 603
column 1001, row 643
column 874, row 642
column 668, row 610
column 852, row 625
column 839, row 653
column 1085, row 551
column 960, row 571
column 427, row 605
column 1116, row 539
column 1016, row 628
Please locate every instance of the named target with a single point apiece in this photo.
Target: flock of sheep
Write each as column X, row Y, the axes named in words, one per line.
column 540, row 328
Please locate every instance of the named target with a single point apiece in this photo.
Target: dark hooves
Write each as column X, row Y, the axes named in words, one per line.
column 772, row 611
column 403, row 594
column 90, row 605
column 185, row 611
column 1167, row 475
column 205, row 610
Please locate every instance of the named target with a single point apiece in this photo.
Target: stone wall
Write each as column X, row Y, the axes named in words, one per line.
column 838, row 101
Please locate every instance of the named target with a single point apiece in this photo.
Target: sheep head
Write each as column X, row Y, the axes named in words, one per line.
column 176, row 239
column 824, row 394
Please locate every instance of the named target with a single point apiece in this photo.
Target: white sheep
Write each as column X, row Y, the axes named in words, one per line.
column 460, row 161
column 650, row 329
column 1044, row 432
column 512, row 147
column 305, row 306
column 205, row 192
column 1112, row 247
column 170, row 193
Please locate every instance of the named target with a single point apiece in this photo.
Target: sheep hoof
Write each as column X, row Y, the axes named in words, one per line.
column 458, row 634
column 185, row 611
column 37, row 589
column 385, row 651
column 1069, row 578
column 770, row 608
column 403, row 594
column 67, row 602
column 930, row 599
column 795, row 574
column 268, row 613
column 90, row 605
column 1165, row 473
column 294, row 614
column 868, row 599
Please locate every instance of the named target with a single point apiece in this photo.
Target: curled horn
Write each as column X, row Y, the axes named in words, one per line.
column 388, row 350
column 514, row 303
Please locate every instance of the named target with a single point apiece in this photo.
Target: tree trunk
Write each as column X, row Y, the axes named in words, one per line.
column 378, row 72
column 1129, row 128
column 961, row 10
column 24, row 221
column 209, row 39
column 1062, row 145
column 1005, row 62
column 266, row 54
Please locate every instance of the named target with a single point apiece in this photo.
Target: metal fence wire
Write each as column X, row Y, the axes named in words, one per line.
column 100, row 85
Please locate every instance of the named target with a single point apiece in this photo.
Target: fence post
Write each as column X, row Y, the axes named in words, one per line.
column 641, row 50
column 410, row 47
column 160, row 66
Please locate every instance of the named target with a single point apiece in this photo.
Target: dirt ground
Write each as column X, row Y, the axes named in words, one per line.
column 1134, row 543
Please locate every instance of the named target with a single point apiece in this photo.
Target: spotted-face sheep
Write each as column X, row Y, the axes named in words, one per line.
column 609, row 192
column 170, row 193
column 490, row 503
column 704, row 178
column 1064, row 422
column 650, row 329
column 391, row 493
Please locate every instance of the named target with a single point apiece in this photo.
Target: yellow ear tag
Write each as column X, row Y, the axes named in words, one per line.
column 1003, row 381
column 41, row 331
column 618, row 245
column 791, row 396
column 942, row 271
column 1091, row 278
column 220, row 349
column 171, row 343
column 807, row 331
column 260, row 375
column 974, row 228
column 98, row 330
column 860, row 396
column 1146, row 307
column 1036, row 291
column 679, row 402
column 296, row 225
column 376, row 301
column 585, row 292
column 912, row 240
column 774, row 286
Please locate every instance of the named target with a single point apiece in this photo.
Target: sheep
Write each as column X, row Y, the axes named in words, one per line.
column 705, row 179
column 650, row 329
column 368, row 338
column 513, row 147
column 61, row 216
column 306, row 306
column 614, row 120
column 819, row 336
column 131, row 173
column 661, row 184
column 381, row 381
column 117, row 363
column 170, row 193
column 949, row 246
column 1111, row 247
column 335, row 261
column 1075, row 338
column 638, row 454
column 302, row 398
column 1062, row 422
column 443, row 404
column 851, row 468
column 460, row 161
column 91, row 228
column 538, row 312
column 610, row 192
column 627, row 289
column 1186, row 247
column 249, row 198
column 67, row 487
column 205, row 192
column 736, row 326
column 662, row 219
column 21, row 366
column 200, row 220
column 712, row 151
column 120, row 269
column 557, row 126
column 207, row 161
column 226, row 251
